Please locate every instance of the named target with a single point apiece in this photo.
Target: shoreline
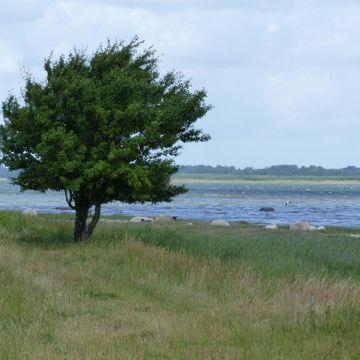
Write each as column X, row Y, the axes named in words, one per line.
column 125, row 219
column 185, row 180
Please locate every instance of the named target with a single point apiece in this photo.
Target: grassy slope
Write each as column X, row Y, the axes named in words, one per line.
column 174, row 291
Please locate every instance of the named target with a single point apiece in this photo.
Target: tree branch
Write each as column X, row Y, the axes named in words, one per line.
column 91, row 226
column 69, row 199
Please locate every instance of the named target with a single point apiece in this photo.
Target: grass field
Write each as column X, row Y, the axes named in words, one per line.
column 175, row 291
column 208, row 177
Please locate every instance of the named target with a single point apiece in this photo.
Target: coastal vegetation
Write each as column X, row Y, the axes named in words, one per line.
column 282, row 179
column 101, row 128
column 286, row 172
column 173, row 290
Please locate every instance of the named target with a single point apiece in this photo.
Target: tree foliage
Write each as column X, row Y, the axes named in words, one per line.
column 101, row 128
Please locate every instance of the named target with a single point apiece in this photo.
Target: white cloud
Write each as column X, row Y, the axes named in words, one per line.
column 273, row 28
column 9, row 61
column 273, row 69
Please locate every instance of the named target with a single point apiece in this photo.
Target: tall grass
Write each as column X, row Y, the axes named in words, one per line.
column 174, row 291
column 276, row 253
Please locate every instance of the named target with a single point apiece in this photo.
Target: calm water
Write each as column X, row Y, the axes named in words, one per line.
column 319, row 203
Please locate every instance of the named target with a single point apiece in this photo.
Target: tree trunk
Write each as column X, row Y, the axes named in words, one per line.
column 82, row 230
column 81, row 213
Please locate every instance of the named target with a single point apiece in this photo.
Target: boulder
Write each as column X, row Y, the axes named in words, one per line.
column 271, row 227
column 300, row 226
column 31, row 213
column 219, row 222
column 355, row 236
column 141, row 219
column 165, row 218
column 267, row 209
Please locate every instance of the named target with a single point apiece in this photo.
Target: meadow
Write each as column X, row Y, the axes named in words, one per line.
column 173, row 290
column 209, row 177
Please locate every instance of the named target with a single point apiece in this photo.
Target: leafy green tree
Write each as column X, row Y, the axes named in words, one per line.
column 101, row 128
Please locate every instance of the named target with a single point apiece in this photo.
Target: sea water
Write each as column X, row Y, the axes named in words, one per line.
column 320, row 203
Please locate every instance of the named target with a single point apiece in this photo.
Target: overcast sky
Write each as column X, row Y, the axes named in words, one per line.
column 283, row 75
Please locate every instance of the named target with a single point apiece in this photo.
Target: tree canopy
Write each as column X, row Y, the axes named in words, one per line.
column 101, row 128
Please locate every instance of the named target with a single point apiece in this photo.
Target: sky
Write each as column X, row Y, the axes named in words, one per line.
column 283, row 75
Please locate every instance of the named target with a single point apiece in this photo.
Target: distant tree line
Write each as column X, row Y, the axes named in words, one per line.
column 281, row 170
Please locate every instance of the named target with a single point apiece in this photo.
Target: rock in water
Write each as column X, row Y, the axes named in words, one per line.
column 31, row 213
column 300, row 226
column 219, row 222
column 271, row 227
column 141, row 219
column 165, row 218
column 267, row 209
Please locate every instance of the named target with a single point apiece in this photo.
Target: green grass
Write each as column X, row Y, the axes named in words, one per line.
column 234, row 177
column 175, row 291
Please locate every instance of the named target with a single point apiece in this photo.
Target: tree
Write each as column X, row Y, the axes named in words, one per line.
column 101, row 128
